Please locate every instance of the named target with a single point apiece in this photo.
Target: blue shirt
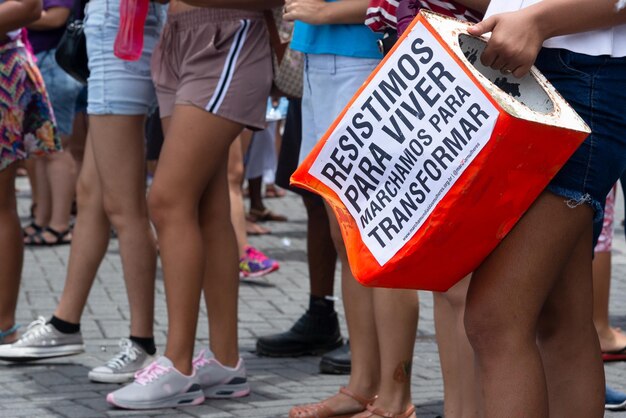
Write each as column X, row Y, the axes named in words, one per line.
column 346, row 40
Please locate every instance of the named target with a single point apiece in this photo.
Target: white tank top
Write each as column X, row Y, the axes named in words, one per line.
column 598, row 42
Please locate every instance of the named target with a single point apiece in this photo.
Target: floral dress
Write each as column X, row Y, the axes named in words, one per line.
column 27, row 126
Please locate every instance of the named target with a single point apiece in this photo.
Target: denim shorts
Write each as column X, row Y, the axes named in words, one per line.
column 595, row 86
column 118, row 87
column 62, row 90
column 330, row 81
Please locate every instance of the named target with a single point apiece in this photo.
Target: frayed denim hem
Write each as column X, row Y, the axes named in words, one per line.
column 575, row 198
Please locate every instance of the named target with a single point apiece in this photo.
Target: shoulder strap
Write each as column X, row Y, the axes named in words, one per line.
column 277, row 45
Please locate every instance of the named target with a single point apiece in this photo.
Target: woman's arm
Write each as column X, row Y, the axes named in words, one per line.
column 53, row 18
column 320, row 12
column 236, row 4
column 15, row 14
column 517, row 36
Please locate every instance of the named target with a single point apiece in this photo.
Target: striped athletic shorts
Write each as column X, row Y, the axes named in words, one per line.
column 215, row 59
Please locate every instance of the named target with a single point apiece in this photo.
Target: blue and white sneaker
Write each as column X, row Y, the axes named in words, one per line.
column 614, row 400
column 218, row 381
column 159, row 385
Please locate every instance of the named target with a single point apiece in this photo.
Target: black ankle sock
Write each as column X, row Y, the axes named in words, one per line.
column 319, row 305
column 145, row 343
column 64, row 326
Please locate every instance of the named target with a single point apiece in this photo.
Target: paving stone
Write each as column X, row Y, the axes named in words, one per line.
column 60, row 388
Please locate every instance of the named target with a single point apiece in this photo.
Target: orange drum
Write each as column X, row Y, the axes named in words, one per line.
column 437, row 157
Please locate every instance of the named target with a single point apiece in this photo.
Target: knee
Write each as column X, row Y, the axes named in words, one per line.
column 235, row 176
column 161, row 206
column 489, row 331
column 85, row 192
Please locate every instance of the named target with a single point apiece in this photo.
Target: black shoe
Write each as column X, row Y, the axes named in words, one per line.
column 310, row 335
column 337, row 361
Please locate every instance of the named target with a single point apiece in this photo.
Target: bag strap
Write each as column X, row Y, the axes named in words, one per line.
column 278, row 46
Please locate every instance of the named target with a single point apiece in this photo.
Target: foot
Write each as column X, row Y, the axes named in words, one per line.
column 374, row 412
column 41, row 341
column 337, row 361
column 311, row 334
column 614, row 400
column 253, row 228
column 256, row 264
column 273, row 191
column 122, row 367
column 344, row 403
column 159, row 385
column 218, row 381
column 613, row 345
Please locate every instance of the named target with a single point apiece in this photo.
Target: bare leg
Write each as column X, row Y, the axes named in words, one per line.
column 189, row 163
column 78, row 139
column 455, row 353
column 566, row 331
column 90, row 239
column 321, row 253
column 61, row 174
column 56, row 179
column 506, row 296
column 118, row 144
column 221, row 274
column 358, row 304
column 396, row 314
column 610, row 338
column 11, row 249
column 42, row 193
column 235, row 180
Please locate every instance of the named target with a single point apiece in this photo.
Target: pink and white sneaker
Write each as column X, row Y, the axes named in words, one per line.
column 159, row 385
column 218, row 381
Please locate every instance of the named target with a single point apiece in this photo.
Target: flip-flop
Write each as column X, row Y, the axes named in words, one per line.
column 614, row 355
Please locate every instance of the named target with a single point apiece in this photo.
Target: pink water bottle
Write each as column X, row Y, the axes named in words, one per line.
column 129, row 39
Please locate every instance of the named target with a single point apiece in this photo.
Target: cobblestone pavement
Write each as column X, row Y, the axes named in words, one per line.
column 60, row 388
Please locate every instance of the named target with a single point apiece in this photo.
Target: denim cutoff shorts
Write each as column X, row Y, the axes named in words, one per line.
column 115, row 86
column 62, row 90
column 329, row 83
column 595, row 86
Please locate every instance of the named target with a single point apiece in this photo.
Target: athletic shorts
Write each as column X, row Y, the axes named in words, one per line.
column 217, row 60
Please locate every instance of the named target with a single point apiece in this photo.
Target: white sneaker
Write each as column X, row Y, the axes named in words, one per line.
column 41, row 341
column 159, row 385
column 123, row 366
column 218, row 381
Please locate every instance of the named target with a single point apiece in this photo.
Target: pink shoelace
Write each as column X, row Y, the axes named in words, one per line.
column 200, row 360
column 150, row 373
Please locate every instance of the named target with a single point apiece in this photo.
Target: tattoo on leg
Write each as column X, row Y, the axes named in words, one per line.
column 403, row 372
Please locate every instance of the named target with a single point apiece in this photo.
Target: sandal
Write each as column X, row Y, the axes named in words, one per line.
column 59, row 238
column 257, row 215
column 372, row 412
column 322, row 410
column 31, row 229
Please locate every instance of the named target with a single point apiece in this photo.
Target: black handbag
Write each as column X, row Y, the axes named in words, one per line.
column 71, row 53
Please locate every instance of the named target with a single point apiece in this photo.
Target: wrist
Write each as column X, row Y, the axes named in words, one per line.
column 324, row 15
column 543, row 24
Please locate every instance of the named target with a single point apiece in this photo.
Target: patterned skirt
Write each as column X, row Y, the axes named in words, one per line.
column 27, row 126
